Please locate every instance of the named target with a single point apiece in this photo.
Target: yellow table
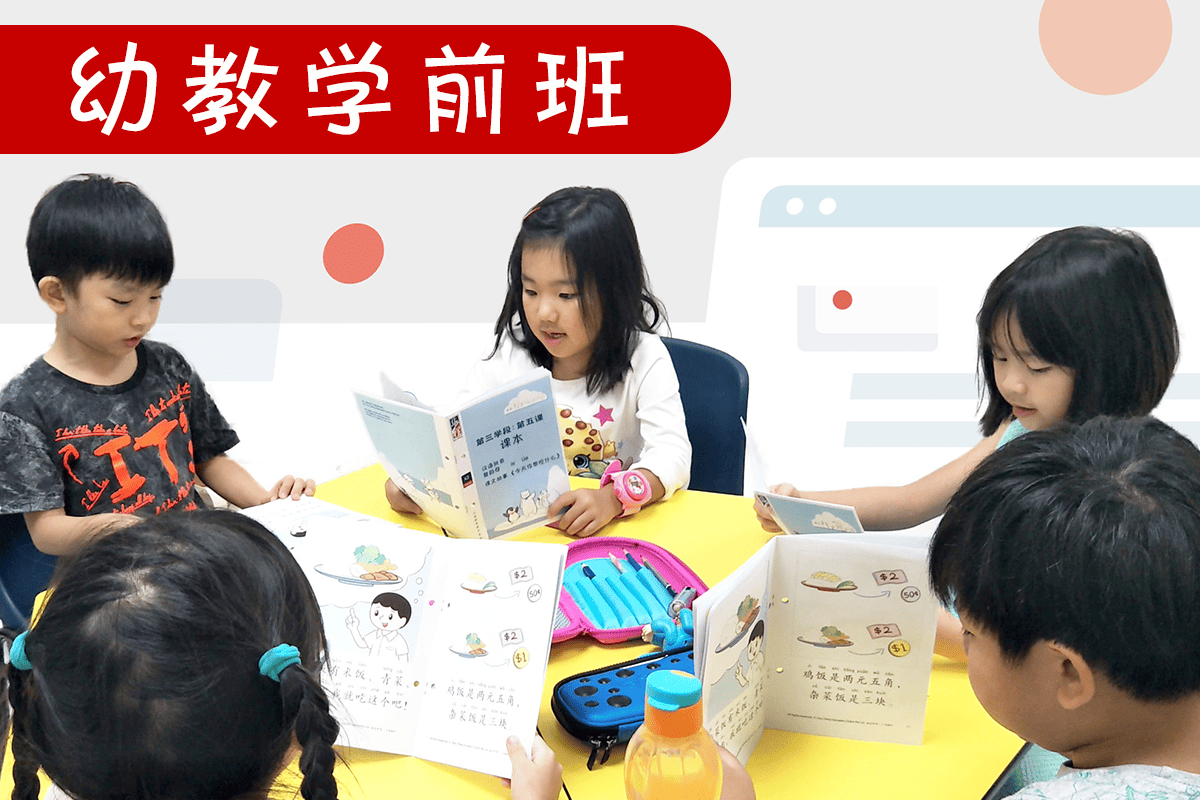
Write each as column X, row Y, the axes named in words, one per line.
column 963, row 750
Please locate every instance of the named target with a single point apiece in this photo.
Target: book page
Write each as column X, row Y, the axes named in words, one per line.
column 487, row 657
column 515, row 451
column 731, row 622
column 370, row 577
column 437, row 647
column 851, row 642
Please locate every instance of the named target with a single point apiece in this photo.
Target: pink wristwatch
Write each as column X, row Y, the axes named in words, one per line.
column 630, row 487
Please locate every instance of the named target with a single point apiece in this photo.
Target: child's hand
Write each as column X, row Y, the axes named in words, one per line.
column 536, row 778
column 398, row 500
column 289, row 486
column 764, row 516
column 585, row 511
column 735, row 781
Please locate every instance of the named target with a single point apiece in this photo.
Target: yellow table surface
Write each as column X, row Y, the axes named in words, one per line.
column 963, row 749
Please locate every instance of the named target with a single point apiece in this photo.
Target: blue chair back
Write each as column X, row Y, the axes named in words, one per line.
column 24, row 572
column 715, row 389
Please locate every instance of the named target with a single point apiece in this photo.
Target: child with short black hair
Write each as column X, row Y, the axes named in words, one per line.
column 1073, row 558
column 108, row 424
column 179, row 659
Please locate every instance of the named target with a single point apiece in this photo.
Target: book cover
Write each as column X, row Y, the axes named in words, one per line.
column 488, row 469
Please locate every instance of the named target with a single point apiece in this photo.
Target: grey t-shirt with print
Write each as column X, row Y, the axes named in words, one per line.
column 90, row 449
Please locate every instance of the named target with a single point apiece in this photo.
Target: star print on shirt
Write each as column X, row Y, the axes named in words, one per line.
column 604, row 415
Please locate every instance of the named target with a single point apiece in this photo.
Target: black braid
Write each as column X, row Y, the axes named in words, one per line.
column 316, row 730
column 26, row 785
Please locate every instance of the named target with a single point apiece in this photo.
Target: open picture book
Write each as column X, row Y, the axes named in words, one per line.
column 488, row 469
column 437, row 647
column 826, row 634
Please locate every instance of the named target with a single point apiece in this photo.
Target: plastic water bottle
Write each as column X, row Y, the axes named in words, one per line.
column 671, row 756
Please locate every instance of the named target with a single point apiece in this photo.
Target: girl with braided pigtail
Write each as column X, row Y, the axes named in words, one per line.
column 179, row 659
column 175, row 658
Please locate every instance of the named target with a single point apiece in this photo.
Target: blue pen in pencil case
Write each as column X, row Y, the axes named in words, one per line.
column 614, row 586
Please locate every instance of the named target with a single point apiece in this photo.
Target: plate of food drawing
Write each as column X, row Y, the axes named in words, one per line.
column 377, row 578
column 831, row 637
column 828, row 582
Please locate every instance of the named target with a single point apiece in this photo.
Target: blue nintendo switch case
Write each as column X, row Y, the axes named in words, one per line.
column 605, row 706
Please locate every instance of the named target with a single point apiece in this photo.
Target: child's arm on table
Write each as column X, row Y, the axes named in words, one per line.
column 56, row 534
column 587, row 511
column 890, row 508
column 230, row 479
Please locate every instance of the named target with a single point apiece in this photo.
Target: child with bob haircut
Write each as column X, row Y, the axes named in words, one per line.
column 179, row 659
column 1079, row 325
column 108, row 424
column 1073, row 557
column 579, row 304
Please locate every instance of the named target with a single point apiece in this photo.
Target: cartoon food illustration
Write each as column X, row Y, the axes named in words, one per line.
column 475, row 645
column 372, row 565
column 586, row 451
column 478, row 584
column 747, row 612
column 828, row 582
column 834, row 637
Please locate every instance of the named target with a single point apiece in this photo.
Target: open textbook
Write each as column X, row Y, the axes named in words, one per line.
column 830, row 635
column 437, row 647
column 488, row 469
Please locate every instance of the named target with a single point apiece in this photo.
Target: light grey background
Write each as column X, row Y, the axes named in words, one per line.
column 810, row 78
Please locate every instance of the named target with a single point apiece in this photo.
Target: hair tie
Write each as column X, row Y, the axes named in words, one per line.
column 277, row 659
column 530, row 213
column 16, row 653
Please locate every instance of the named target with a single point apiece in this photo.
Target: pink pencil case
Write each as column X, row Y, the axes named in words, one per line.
column 614, row 586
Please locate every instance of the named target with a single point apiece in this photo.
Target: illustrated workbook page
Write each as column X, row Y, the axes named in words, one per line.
column 437, row 647
column 852, row 640
column 731, row 621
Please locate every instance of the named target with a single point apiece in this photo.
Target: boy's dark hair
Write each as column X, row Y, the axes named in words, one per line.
column 1088, row 536
column 1091, row 300
column 93, row 224
column 595, row 233
column 759, row 630
column 145, row 680
column 395, row 602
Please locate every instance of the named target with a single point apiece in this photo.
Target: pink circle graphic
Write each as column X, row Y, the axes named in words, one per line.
column 353, row 253
column 1105, row 46
column 842, row 299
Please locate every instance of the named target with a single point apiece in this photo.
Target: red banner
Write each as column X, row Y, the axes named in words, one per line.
column 364, row 89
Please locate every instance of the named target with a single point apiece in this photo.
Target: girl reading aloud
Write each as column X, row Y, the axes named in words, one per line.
column 579, row 304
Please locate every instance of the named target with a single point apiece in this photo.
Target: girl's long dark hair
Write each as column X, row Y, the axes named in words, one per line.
column 595, row 232
column 1094, row 301
column 145, row 682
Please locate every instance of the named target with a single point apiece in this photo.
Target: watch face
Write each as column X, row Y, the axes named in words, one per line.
column 636, row 487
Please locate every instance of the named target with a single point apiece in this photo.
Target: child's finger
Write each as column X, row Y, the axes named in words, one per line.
column 562, row 503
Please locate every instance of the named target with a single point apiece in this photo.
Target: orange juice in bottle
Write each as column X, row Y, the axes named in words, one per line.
column 671, row 756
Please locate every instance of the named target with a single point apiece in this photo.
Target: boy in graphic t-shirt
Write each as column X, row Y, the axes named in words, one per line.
column 108, row 426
